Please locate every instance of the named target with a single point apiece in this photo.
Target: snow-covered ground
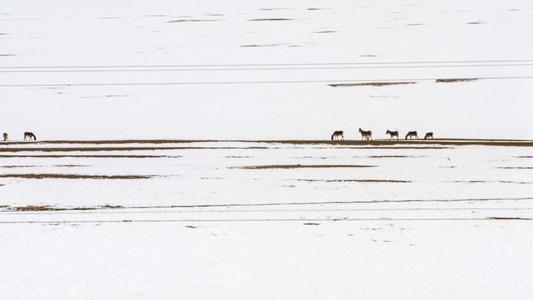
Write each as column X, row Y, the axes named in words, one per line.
column 230, row 219
column 265, row 220
column 221, row 70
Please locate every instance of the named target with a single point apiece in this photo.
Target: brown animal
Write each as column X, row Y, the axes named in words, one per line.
column 365, row 134
column 30, row 136
column 5, row 136
column 411, row 134
column 428, row 136
column 393, row 134
column 337, row 135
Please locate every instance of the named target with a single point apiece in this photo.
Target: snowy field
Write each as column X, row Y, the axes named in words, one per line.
column 183, row 149
column 231, row 70
column 266, row 220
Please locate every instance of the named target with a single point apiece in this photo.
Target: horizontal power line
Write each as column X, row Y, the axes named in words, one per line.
column 398, row 64
column 270, row 68
column 347, row 82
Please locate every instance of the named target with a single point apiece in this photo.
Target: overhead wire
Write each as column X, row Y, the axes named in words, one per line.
column 133, row 68
column 264, row 65
column 346, row 81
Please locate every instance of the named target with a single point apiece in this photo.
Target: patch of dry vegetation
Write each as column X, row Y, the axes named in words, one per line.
column 73, row 176
column 298, row 166
column 450, row 80
column 33, row 208
column 28, row 208
column 371, row 84
column 358, row 180
column 269, row 20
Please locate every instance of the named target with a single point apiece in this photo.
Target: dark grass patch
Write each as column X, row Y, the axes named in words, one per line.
column 516, row 168
column 73, row 176
column 40, row 166
column 109, row 206
column 89, row 156
column 269, row 20
column 395, row 156
column 508, row 218
column 497, row 181
column 451, row 80
column 33, row 208
column 191, row 20
column 298, row 166
column 378, row 84
column 36, row 208
column 357, row 180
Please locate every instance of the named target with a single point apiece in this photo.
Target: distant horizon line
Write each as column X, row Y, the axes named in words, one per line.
column 348, row 142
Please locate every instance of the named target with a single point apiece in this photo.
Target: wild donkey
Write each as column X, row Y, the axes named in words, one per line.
column 411, row 134
column 337, row 135
column 5, row 136
column 365, row 134
column 428, row 136
column 30, row 136
column 393, row 134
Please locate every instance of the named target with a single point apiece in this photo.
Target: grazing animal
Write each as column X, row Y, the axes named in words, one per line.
column 5, row 136
column 365, row 134
column 30, row 136
column 393, row 134
column 411, row 134
column 337, row 135
column 428, row 136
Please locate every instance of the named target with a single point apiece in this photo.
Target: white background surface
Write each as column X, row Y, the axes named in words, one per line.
column 199, row 227
column 140, row 41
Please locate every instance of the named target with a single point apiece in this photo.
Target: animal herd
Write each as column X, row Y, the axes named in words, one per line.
column 28, row 136
column 366, row 135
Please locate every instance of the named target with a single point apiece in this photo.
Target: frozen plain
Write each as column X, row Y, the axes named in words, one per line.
column 265, row 220
column 430, row 222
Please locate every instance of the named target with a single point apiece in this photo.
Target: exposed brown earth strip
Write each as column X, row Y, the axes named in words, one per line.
column 508, row 218
column 357, row 180
column 51, row 208
column 31, row 146
column 298, row 166
column 103, row 148
column 33, row 208
column 93, row 156
column 370, row 84
column 237, row 205
column 516, row 168
column 114, row 142
column 395, row 156
column 73, row 176
column 410, row 144
column 498, row 181
column 269, row 20
column 450, row 80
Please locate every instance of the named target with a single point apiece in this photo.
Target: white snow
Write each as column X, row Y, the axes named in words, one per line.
column 71, row 43
column 241, row 220
column 234, row 218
